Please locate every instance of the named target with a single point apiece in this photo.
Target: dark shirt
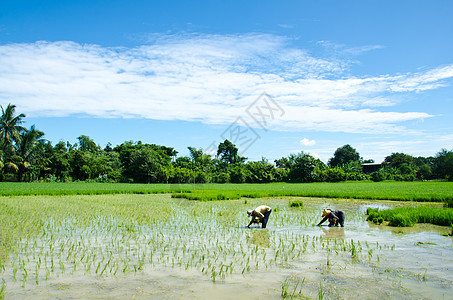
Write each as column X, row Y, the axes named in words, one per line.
column 336, row 215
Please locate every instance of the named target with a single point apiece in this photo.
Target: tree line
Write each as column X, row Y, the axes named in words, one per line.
column 26, row 156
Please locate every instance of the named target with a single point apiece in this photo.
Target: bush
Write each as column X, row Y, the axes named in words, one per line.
column 335, row 175
column 377, row 176
column 356, row 176
column 222, row 178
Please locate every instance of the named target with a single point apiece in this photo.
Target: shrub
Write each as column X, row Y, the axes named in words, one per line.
column 377, row 176
column 335, row 175
column 222, row 178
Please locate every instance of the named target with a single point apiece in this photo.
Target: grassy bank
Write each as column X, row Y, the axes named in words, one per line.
column 387, row 190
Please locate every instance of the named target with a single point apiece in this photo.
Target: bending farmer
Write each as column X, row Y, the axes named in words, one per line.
column 259, row 215
column 335, row 217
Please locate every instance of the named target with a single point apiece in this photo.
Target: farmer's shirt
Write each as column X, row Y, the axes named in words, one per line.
column 260, row 211
column 337, row 214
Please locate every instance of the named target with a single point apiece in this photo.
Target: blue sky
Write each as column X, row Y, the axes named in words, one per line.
column 377, row 75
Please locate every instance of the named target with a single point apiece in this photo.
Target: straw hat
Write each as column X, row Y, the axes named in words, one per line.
column 249, row 212
column 325, row 212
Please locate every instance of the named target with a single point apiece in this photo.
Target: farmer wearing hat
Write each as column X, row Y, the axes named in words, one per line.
column 335, row 217
column 259, row 215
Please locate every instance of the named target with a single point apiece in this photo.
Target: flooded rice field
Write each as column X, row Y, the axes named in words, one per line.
column 153, row 246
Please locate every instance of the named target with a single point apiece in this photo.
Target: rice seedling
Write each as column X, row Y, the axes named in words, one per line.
column 296, row 203
column 408, row 216
column 403, row 191
column 121, row 236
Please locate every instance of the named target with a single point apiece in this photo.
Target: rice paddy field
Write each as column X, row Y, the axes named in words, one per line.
column 386, row 190
column 154, row 246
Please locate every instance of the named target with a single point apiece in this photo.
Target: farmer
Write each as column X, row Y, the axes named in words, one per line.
column 335, row 217
column 259, row 215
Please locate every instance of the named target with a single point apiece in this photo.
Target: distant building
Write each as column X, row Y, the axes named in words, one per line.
column 369, row 168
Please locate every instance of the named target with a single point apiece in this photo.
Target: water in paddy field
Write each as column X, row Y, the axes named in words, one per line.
column 178, row 249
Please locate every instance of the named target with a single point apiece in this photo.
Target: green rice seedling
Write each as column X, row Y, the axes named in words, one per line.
column 103, row 235
column 401, row 220
column 320, row 291
column 408, row 216
column 24, row 276
column 284, row 288
column 37, row 275
column 296, row 203
column 405, row 191
column 353, row 250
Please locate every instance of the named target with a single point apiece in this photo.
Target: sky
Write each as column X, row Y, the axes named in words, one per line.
column 273, row 77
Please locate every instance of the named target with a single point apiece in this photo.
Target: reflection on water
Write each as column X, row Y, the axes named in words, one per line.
column 196, row 250
column 259, row 238
column 333, row 232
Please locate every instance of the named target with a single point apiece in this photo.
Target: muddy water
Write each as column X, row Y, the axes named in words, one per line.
column 205, row 251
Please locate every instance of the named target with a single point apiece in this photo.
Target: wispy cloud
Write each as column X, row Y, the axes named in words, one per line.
column 307, row 142
column 207, row 78
column 286, row 26
column 338, row 49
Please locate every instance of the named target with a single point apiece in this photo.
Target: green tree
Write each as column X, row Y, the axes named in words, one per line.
column 80, row 162
column 344, row 155
column 282, row 163
column 27, row 149
column 10, row 128
column 405, row 166
column 86, row 144
column 184, row 162
column 125, row 151
column 228, row 152
column 239, row 173
column 304, row 167
column 443, row 165
column 398, row 159
column 201, row 159
column 59, row 161
column 148, row 165
column 261, row 171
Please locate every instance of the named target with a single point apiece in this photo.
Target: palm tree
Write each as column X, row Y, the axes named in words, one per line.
column 26, row 149
column 10, row 128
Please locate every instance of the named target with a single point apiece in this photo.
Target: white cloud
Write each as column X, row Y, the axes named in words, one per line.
column 207, row 78
column 307, row 142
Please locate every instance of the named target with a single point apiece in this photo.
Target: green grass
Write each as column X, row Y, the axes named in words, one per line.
column 85, row 188
column 409, row 216
column 387, row 190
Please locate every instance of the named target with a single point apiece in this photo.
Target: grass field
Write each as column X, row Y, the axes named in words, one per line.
column 388, row 190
